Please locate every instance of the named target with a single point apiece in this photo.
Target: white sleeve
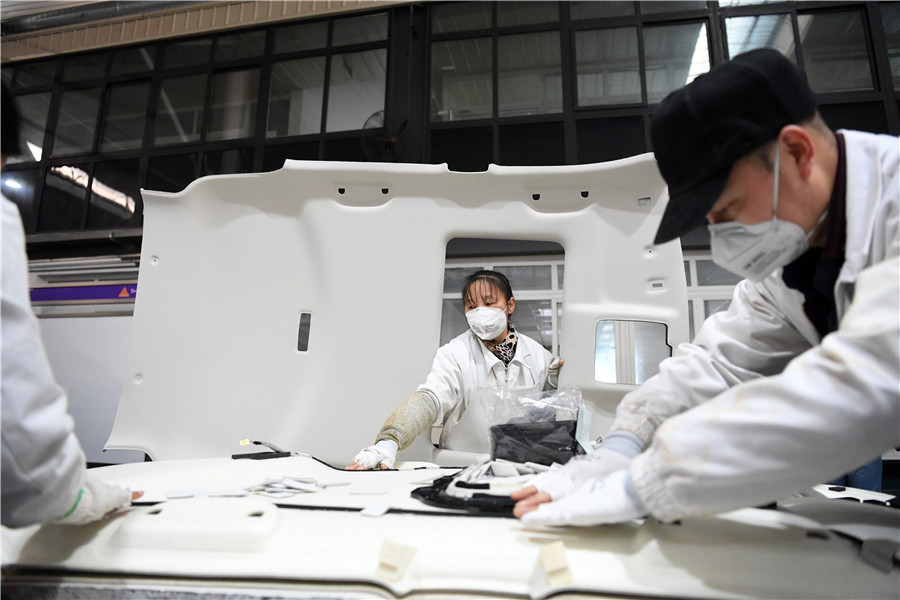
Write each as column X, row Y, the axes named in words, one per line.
column 445, row 381
column 42, row 461
column 751, row 339
column 834, row 408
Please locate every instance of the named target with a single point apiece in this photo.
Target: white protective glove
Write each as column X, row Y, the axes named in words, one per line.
column 613, row 455
column 599, row 501
column 384, row 452
column 95, row 501
column 553, row 374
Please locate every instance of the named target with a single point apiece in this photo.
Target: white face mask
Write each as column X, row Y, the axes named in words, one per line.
column 487, row 322
column 755, row 251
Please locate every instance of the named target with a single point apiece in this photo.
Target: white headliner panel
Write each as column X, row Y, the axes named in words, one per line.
column 229, row 264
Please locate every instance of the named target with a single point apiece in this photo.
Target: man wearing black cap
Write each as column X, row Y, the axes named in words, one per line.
column 44, row 476
column 798, row 381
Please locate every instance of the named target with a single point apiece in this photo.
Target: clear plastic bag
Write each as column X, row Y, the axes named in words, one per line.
column 528, row 426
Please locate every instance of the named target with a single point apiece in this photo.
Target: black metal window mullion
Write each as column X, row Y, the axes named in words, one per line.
column 262, row 100
column 568, row 70
column 875, row 25
column 495, row 87
column 326, row 88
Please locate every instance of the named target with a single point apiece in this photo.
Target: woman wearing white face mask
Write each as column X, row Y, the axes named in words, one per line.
column 489, row 356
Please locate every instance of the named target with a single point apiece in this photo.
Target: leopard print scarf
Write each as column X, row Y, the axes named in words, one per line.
column 506, row 349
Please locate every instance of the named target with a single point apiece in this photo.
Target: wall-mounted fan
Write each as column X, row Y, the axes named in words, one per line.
column 383, row 138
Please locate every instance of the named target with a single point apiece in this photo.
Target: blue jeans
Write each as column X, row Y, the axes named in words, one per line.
column 867, row 477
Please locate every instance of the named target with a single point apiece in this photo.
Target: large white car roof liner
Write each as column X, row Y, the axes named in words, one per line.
column 230, row 266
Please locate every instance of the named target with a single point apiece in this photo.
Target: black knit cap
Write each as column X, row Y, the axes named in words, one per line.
column 9, row 125
column 701, row 130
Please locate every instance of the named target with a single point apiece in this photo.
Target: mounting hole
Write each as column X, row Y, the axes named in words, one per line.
column 341, row 191
column 585, row 194
column 535, row 197
column 385, row 191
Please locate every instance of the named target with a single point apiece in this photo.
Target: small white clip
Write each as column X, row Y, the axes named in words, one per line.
column 394, row 560
column 553, row 562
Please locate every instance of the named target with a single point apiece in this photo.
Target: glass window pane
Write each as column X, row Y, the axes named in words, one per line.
column 691, row 330
column 746, row 2
column 591, row 9
column 608, row 66
column 344, row 149
column 180, row 110
column 295, row 97
column 356, row 88
column 461, row 80
column 20, row 186
column 35, row 74
column 711, row 307
column 239, row 160
column 687, row 273
column 187, row 53
column 890, row 19
column 760, row 31
column 600, row 140
column 629, row 352
column 533, row 318
column 171, row 173
column 33, row 112
column 834, row 52
column 528, row 277
column 532, row 144
column 861, row 116
column 650, row 7
column 526, row 13
column 133, row 60
column 709, row 273
column 675, row 55
column 240, row 45
column 274, row 157
column 454, row 277
column 115, row 198
column 529, row 74
column 89, row 66
column 358, row 30
column 467, row 149
column 233, row 109
column 305, row 36
column 650, row 349
column 126, row 110
column 64, row 198
column 460, row 16
column 76, row 121
column 453, row 320
column 605, row 352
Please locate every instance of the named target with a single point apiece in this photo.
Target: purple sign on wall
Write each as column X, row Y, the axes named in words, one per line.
column 81, row 293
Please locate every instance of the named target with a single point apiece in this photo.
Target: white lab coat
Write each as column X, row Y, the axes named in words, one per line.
column 464, row 368
column 42, row 462
column 767, row 408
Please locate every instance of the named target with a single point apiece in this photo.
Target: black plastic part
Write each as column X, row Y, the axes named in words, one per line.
column 261, row 455
column 436, row 495
column 544, row 443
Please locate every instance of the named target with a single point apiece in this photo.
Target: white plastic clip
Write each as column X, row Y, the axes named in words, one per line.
column 394, row 560
column 553, row 562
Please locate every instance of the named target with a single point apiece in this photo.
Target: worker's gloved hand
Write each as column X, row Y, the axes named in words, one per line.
column 95, row 501
column 614, row 454
column 381, row 455
column 598, row 501
column 553, row 373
